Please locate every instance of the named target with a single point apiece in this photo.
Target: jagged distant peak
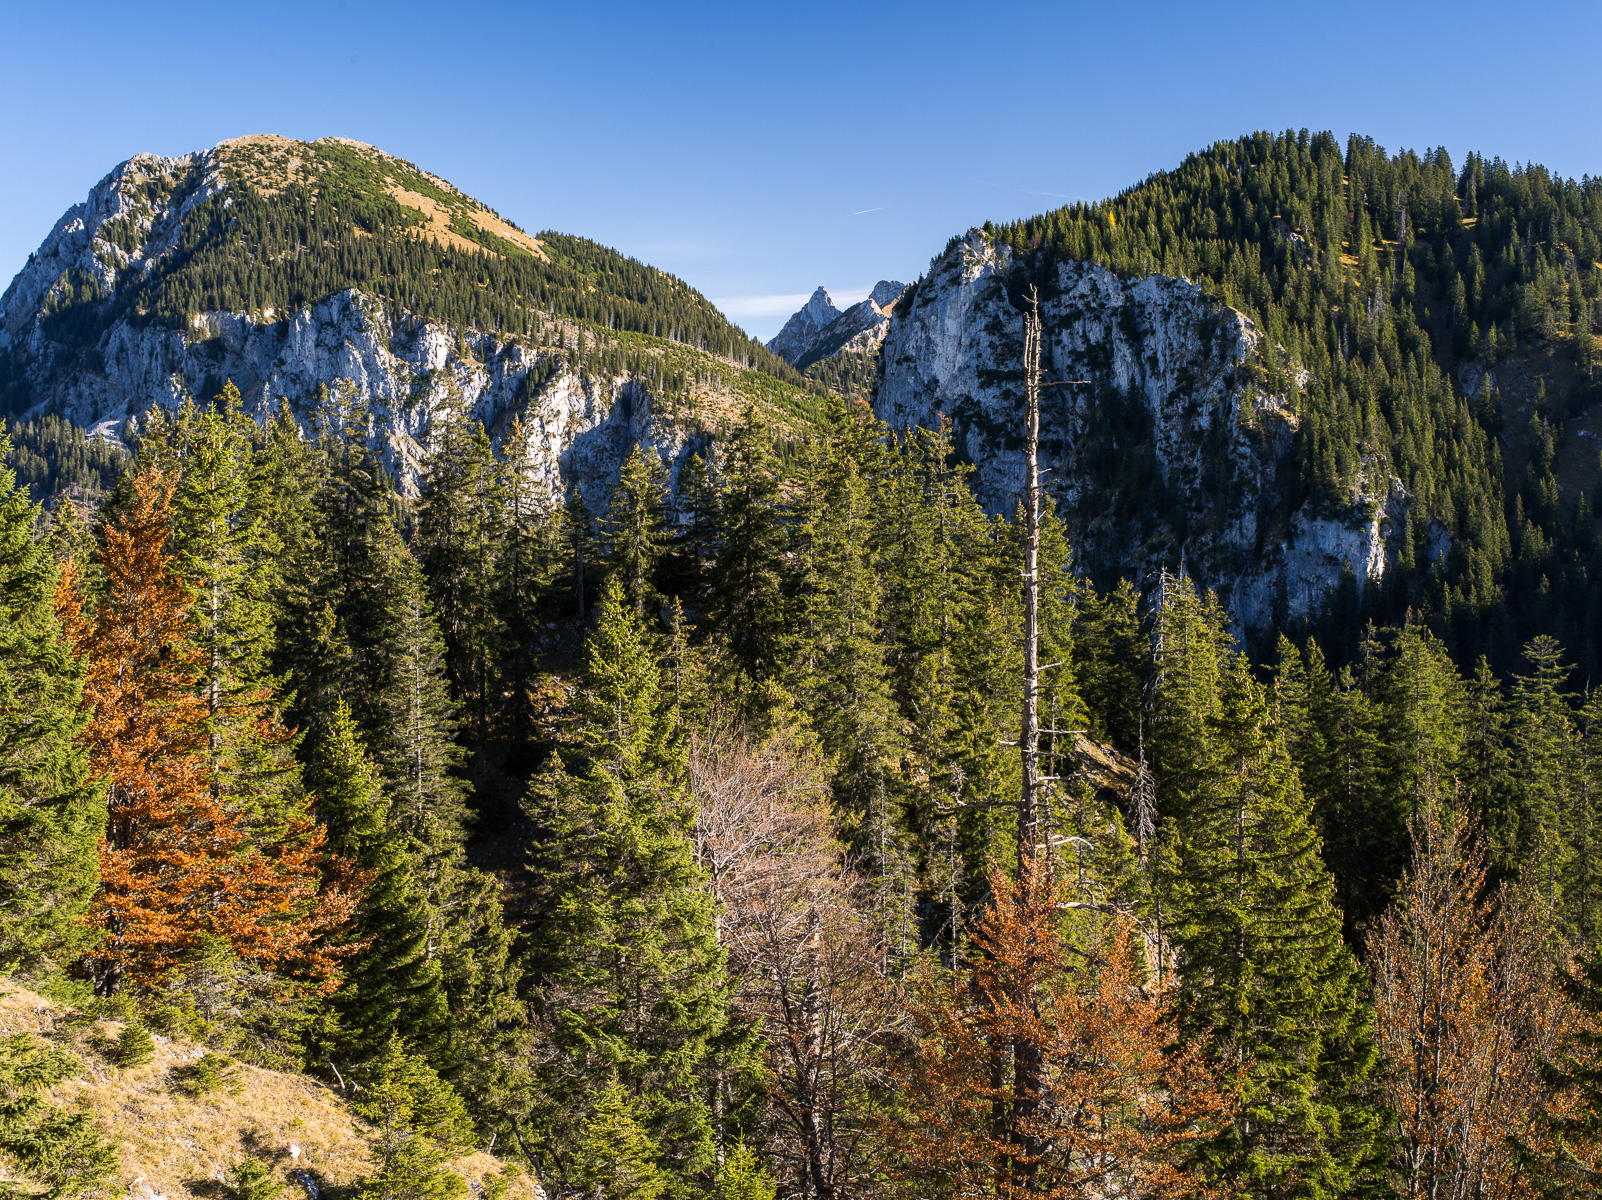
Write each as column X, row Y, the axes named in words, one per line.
column 801, row 330
column 820, row 306
column 819, row 329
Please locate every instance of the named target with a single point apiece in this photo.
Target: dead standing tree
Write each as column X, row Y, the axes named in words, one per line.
column 805, row 955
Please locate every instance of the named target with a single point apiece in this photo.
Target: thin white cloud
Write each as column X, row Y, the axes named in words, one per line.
column 762, row 306
column 859, row 212
column 1007, row 187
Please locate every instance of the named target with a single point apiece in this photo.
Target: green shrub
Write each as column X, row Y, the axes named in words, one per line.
column 208, row 1074
column 174, row 1020
column 134, row 1046
column 251, row 1179
column 59, row 1148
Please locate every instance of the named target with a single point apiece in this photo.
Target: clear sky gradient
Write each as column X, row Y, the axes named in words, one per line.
column 758, row 151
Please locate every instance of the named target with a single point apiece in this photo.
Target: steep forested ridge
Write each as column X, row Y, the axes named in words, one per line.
column 1445, row 319
column 280, row 236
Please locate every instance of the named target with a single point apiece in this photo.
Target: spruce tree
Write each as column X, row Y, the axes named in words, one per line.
column 226, row 555
column 419, row 1124
column 393, row 984
column 56, row 1149
column 749, row 603
column 625, row 966
column 1543, row 746
column 840, row 676
column 525, row 565
column 459, row 537
column 635, row 526
column 1265, row 978
column 52, row 813
column 613, row 1155
column 1334, row 733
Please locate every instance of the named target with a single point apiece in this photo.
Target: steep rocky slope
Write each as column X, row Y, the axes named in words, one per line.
column 1172, row 451
column 172, row 277
column 818, row 330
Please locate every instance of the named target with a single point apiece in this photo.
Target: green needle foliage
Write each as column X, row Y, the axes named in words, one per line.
column 418, row 1125
column 393, row 985
column 208, row 1074
column 252, row 1179
column 636, row 526
column 51, row 812
column 627, row 972
column 134, row 1046
column 58, row 1150
column 1264, row 975
column 614, row 1156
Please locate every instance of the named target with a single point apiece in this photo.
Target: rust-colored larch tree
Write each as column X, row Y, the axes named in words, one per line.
column 1117, row 1111
column 1469, row 1008
column 188, row 869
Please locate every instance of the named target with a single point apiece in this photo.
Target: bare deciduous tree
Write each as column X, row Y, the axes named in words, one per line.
column 805, row 956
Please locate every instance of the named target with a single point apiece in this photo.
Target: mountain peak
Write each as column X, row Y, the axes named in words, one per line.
column 819, row 329
column 801, row 330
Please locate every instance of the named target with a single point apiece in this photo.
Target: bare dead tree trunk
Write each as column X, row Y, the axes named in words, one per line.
column 1027, row 1066
column 1029, row 737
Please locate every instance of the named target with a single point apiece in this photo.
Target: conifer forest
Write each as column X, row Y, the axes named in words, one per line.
column 798, row 826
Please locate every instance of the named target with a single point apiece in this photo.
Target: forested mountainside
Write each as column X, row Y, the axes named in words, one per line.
column 691, row 832
column 288, row 266
column 1413, row 395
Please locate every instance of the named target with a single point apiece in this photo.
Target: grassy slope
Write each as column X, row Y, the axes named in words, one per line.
column 180, row 1146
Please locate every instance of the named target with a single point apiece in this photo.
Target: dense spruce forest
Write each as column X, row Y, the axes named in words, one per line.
column 674, row 849
column 1405, row 289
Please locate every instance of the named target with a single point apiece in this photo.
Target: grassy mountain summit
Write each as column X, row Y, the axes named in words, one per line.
column 267, row 226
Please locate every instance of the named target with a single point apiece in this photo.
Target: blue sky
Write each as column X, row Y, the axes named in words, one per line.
column 761, row 150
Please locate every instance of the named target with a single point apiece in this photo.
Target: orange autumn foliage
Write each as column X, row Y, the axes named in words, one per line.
column 1117, row 1112
column 185, row 866
column 1470, row 1012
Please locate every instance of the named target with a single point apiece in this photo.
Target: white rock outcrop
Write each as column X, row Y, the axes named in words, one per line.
column 1172, row 452
column 584, row 424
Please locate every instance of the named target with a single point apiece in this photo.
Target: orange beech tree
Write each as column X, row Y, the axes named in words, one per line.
column 1470, row 1010
column 187, row 868
column 1117, row 1111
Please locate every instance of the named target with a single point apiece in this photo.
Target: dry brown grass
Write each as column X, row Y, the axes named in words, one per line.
column 178, row 1146
column 439, row 224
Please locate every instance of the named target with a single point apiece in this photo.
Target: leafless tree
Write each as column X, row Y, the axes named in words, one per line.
column 805, row 955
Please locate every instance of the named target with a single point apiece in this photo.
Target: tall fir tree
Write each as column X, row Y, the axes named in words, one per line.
column 635, row 526
column 1543, row 745
column 748, row 587
column 393, row 985
column 226, row 554
column 459, row 537
column 51, row 810
column 624, row 960
column 1265, row 978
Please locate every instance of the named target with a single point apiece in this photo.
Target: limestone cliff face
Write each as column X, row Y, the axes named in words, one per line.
column 403, row 370
column 1172, row 452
